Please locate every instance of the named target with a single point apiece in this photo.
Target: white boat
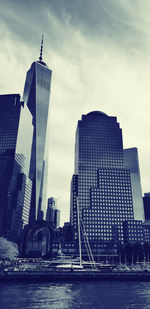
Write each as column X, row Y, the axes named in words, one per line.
column 69, row 266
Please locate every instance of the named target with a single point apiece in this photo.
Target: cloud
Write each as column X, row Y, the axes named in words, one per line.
column 123, row 22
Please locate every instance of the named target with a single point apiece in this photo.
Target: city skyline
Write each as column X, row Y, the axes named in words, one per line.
column 94, row 68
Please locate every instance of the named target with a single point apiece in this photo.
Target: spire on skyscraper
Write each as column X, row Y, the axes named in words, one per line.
column 36, row 97
column 41, row 50
column 41, row 53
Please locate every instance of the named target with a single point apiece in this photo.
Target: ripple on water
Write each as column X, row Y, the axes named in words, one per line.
column 89, row 295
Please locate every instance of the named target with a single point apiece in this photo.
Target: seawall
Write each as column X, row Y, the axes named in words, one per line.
column 73, row 275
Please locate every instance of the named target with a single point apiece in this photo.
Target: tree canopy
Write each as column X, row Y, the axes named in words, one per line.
column 8, row 249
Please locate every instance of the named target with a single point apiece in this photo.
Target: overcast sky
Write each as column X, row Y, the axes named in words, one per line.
column 99, row 51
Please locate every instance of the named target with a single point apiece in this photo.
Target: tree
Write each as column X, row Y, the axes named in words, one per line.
column 8, row 249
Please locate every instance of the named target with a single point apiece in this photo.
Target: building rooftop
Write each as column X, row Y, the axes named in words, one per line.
column 97, row 113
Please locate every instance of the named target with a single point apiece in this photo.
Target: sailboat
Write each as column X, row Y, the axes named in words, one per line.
column 78, row 263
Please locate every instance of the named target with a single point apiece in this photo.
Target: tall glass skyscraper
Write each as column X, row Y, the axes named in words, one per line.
column 101, row 183
column 132, row 163
column 15, row 187
column 24, row 152
column 10, row 107
column 36, row 97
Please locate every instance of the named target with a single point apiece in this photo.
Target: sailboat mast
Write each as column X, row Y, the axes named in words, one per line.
column 79, row 232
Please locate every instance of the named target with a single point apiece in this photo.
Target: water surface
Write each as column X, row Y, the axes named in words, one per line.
column 86, row 295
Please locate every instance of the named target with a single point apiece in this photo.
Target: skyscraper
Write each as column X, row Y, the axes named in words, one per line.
column 9, row 121
column 24, row 152
column 132, row 163
column 101, row 183
column 52, row 213
column 14, row 184
column 146, row 200
column 36, row 97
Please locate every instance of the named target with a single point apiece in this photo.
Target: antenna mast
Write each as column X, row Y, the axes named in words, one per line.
column 41, row 50
column 79, row 231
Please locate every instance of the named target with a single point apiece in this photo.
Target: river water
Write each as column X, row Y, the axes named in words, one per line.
column 85, row 295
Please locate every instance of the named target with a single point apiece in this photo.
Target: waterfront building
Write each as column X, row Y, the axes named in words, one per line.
column 38, row 234
column 67, row 232
column 131, row 163
column 133, row 231
column 53, row 214
column 146, row 200
column 146, row 231
column 14, row 183
column 24, row 152
column 36, row 97
column 101, row 184
column 19, row 200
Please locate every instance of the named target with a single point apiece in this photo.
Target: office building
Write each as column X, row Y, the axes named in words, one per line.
column 13, row 180
column 53, row 214
column 146, row 231
column 133, row 231
column 131, row 163
column 101, row 184
column 24, row 151
column 146, row 200
column 36, row 97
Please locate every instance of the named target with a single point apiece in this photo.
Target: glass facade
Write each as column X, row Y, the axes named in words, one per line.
column 24, row 152
column 19, row 201
column 132, row 163
column 13, row 181
column 10, row 107
column 146, row 200
column 101, row 183
column 52, row 213
column 146, row 231
column 6, row 166
column 36, row 97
